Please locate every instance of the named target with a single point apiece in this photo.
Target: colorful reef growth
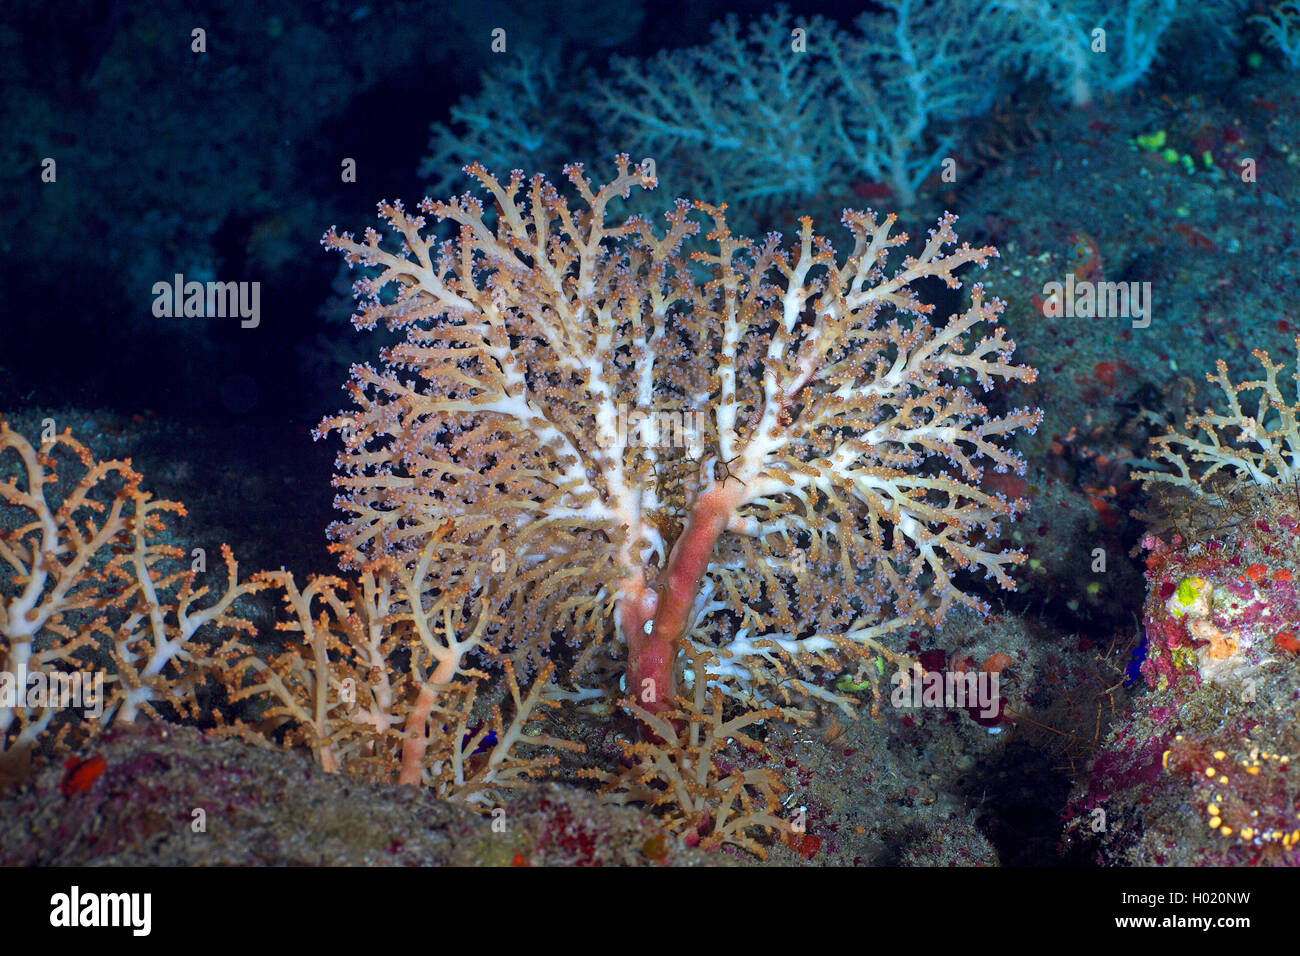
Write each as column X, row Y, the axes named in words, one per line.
column 777, row 466
column 1201, row 771
column 718, row 478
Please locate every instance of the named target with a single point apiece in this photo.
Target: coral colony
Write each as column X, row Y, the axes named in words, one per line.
column 503, row 518
column 720, row 488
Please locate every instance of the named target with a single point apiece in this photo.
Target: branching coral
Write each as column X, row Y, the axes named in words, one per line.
column 683, row 765
column 757, row 460
column 377, row 685
column 89, row 597
column 1260, row 447
column 780, row 109
column 530, row 108
column 827, row 490
column 98, row 615
column 1281, row 29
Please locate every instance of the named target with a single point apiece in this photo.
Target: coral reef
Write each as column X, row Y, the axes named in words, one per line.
column 172, row 796
column 1209, row 747
column 506, row 502
column 1197, row 772
column 660, row 536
